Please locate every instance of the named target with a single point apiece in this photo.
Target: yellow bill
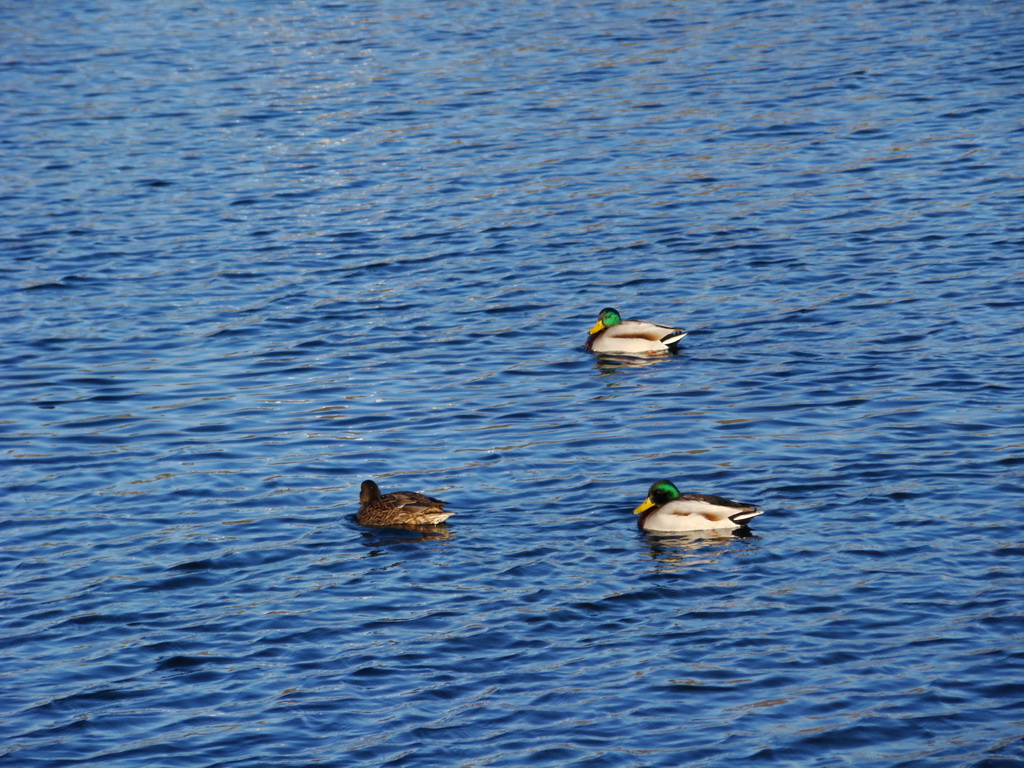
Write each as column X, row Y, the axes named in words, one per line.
column 644, row 507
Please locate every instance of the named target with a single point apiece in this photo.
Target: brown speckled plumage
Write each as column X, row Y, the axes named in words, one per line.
column 398, row 508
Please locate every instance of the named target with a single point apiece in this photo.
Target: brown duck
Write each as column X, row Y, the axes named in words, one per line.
column 398, row 508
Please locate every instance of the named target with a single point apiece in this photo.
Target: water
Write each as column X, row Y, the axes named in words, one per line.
column 256, row 253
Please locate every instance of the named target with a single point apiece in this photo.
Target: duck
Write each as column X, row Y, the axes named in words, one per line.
column 667, row 510
column 398, row 508
column 613, row 335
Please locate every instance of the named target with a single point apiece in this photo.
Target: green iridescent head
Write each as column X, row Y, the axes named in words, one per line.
column 662, row 492
column 606, row 319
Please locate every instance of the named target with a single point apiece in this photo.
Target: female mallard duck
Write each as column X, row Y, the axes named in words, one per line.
column 399, row 508
column 611, row 334
column 666, row 509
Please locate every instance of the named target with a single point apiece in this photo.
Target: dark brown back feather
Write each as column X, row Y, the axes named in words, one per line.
column 398, row 508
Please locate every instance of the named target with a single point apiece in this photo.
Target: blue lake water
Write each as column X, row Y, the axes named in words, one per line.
column 255, row 253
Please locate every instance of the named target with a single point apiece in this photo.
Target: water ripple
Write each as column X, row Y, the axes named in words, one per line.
column 365, row 240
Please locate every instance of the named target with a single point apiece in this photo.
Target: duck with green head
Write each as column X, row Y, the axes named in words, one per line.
column 667, row 510
column 398, row 508
column 613, row 335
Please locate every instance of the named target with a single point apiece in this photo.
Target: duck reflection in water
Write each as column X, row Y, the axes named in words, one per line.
column 611, row 364
column 672, row 552
column 379, row 538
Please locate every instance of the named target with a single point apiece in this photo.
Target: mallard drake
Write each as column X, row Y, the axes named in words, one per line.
column 398, row 508
column 666, row 509
column 611, row 334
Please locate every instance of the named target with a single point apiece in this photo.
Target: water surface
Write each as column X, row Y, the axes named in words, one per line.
column 255, row 254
